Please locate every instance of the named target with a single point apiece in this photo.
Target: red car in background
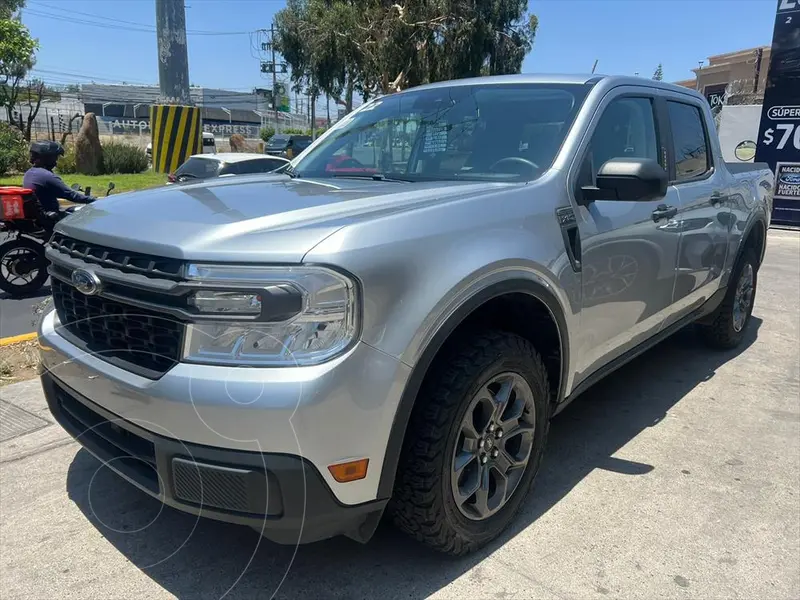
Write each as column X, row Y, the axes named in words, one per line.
column 347, row 164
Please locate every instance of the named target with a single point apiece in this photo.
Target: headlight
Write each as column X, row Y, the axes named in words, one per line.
column 269, row 316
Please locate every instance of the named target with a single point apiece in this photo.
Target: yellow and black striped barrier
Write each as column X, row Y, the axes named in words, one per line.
column 177, row 134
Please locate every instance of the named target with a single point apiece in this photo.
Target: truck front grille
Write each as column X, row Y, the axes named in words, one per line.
column 127, row 262
column 143, row 341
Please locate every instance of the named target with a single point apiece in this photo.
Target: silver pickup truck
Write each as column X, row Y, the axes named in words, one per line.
column 390, row 324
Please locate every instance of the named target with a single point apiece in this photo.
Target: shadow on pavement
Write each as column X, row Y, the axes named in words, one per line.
column 202, row 558
column 42, row 292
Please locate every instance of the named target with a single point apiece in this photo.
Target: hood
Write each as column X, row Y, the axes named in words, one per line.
column 262, row 218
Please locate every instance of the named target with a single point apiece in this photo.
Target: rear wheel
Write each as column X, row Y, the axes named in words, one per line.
column 474, row 444
column 727, row 325
column 23, row 267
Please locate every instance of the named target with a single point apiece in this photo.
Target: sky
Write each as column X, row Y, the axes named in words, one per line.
column 113, row 40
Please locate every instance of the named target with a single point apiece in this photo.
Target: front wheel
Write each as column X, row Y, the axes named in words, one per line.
column 23, row 267
column 474, row 444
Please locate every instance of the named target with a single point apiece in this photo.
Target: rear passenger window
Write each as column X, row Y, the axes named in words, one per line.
column 689, row 141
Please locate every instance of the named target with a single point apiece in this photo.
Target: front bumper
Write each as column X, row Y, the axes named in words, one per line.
column 281, row 496
column 339, row 411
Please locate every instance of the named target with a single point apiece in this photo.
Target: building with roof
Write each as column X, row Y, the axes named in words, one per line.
column 742, row 75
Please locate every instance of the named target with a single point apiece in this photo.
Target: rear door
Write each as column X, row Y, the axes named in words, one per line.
column 628, row 252
column 704, row 217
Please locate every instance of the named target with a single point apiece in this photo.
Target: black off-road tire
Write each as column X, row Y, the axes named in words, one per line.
column 423, row 505
column 20, row 291
column 718, row 330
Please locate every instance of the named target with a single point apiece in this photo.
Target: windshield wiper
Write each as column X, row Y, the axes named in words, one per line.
column 289, row 170
column 374, row 177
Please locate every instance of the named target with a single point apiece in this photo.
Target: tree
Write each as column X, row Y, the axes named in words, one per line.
column 17, row 57
column 379, row 47
column 31, row 93
column 8, row 8
column 659, row 73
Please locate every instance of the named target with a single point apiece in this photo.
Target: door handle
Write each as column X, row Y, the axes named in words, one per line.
column 717, row 199
column 664, row 212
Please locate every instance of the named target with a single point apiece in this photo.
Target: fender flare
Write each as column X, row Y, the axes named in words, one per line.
column 402, row 415
column 757, row 221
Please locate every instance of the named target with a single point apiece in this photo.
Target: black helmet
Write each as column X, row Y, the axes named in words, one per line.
column 47, row 148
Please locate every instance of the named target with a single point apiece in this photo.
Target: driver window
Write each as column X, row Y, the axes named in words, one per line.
column 627, row 129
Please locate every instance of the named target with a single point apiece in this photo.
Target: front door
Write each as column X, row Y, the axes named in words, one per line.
column 628, row 252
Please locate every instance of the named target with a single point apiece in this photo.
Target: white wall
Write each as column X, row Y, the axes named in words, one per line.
column 737, row 124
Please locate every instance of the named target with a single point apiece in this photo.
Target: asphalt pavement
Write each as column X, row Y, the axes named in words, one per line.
column 17, row 315
column 676, row 477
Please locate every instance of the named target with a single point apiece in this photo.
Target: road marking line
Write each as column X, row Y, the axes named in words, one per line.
column 15, row 339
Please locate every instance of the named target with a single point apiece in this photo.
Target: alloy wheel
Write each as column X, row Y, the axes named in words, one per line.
column 494, row 446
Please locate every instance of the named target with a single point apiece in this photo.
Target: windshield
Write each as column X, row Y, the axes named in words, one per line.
column 199, row 168
column 482, row 132
column 278, row 142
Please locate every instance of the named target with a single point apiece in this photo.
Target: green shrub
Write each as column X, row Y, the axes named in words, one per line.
column 266, row 133
column 119, row 157
column 66, row 164
column 13, row 150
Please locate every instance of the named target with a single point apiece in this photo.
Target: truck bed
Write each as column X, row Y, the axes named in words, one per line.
column 736, row 168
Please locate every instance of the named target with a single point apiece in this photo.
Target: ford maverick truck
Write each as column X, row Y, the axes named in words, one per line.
column 388, row 326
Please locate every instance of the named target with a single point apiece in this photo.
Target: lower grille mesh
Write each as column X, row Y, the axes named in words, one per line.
column 113, row 330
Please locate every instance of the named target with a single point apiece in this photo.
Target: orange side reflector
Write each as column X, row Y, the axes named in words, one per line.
column 349, row 471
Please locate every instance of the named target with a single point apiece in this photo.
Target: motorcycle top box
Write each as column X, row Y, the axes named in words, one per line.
column 13, row 201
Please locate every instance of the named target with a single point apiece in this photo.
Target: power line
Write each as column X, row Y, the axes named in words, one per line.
column 128, row 25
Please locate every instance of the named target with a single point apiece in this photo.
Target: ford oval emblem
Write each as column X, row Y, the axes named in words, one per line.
column 86, row 282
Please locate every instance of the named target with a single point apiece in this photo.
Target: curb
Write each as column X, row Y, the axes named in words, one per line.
column 15, row 339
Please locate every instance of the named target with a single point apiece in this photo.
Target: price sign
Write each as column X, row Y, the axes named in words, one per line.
column 779, row 130
column 781, row 135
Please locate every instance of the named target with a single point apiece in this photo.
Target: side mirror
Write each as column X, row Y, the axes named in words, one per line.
column 745, row 150
column 627, row 180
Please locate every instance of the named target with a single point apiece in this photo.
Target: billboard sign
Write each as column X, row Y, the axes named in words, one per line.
column 715, row 94
column 779, row 131
column 140, row 126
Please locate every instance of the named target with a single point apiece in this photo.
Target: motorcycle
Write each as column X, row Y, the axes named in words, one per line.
column 28, row 228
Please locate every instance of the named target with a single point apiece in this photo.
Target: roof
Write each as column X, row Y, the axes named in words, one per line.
column 557, row 79
column 233, row 157
column 500, row 79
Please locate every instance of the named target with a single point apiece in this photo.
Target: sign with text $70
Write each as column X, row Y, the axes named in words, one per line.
column 785, row 133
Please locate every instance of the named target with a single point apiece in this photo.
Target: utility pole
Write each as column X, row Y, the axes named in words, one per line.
column 173, row 60
column 274, row 75
column 699, row 68
column 175, row 125
column 313, row 112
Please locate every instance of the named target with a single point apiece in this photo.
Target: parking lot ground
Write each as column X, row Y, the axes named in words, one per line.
column 676, row 477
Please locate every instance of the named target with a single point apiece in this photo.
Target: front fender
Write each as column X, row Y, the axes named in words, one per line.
column 431, row 338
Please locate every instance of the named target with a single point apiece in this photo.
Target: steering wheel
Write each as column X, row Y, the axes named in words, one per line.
column 515, row 160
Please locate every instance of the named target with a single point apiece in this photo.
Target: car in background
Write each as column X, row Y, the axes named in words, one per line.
column 225, row 164
column 287, row 145
column 209, row 145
